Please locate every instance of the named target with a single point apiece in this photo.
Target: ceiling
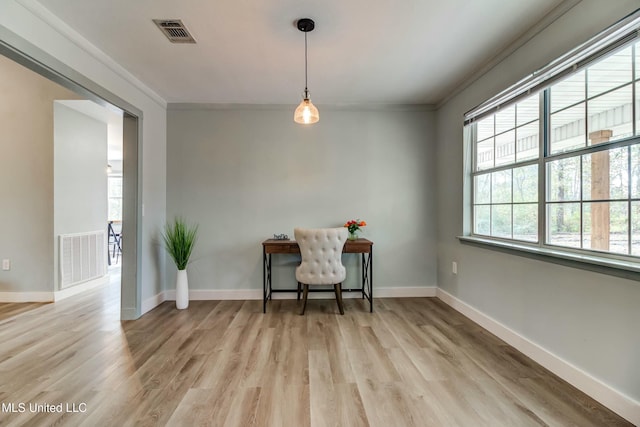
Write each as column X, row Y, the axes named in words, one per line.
column 250, row 52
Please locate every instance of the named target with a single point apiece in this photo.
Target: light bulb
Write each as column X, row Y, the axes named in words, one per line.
column 306, row 113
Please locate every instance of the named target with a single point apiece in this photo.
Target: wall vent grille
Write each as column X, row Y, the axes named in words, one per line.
column 175, row 30
column 82, row 257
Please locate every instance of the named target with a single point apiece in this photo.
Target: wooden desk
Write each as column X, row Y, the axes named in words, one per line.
column 359, row 246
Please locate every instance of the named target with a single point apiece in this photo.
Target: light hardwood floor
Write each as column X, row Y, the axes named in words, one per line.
column 413, row 362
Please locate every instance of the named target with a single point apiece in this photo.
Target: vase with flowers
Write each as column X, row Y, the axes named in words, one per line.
column 353, row 226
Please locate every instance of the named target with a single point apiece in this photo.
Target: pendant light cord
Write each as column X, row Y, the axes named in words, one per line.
column 306, row 91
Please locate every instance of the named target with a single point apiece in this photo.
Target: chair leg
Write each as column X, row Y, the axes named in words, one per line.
column 338, row 288
column 299, row 285
column 304, row 298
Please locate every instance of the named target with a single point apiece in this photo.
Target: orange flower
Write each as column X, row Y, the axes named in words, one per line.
column 354, row 225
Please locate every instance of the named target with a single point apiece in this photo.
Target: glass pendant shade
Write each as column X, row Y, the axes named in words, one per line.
column 306, row 113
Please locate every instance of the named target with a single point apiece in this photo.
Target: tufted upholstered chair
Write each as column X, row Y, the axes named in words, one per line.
column 321, row 251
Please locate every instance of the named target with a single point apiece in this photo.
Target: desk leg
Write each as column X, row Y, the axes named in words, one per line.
column 371, row 281
column 367, row 277
column 364, row 275
column 270, row 279
column 266, row 278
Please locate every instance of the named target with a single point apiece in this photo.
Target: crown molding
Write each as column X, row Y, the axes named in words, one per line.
column 186, row 106
column 85, row 45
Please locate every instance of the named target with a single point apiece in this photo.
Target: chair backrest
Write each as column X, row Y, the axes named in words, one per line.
column 321, row 251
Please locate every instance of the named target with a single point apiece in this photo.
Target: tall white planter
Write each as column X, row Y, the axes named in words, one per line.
column 182, row 290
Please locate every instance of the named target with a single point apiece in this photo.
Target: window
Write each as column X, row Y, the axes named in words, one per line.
column 506, row 172
column 556, row 158
column 114, row 192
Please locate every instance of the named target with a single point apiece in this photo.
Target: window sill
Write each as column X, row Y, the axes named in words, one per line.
column 611, row 266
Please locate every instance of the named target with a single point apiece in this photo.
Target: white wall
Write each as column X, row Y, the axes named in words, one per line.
column 588, row 319
column 245, row 174
column 32, row 23
column 26, row 178
column 80, row 175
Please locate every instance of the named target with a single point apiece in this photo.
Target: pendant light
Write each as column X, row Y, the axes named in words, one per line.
column 306, row 113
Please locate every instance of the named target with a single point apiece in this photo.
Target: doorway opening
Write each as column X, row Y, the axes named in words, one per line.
column 45, row 243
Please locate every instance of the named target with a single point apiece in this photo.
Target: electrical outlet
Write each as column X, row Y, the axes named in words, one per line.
column 454, row 267
column 6, row 264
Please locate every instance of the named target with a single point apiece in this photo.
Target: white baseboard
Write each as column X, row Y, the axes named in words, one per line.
column 53, row 296
column 407, row 292
column 152, row 302
column 216, row 294
column 618, row 402
column 82, row 287
column 256, row 294
column 26, row 296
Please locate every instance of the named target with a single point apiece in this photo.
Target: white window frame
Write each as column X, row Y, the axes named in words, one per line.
column 109, row 197
column 624, row 33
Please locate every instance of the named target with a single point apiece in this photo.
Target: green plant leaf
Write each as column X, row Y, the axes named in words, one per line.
column 179, row 239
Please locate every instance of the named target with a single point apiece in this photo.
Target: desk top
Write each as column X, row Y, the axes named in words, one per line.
column 273, row 246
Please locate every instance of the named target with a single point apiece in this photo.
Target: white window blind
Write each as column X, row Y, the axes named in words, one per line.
column 613, row 38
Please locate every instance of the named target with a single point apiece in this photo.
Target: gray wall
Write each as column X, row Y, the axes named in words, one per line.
column 588, row 319
column 80, row 175
column 245, row 174
column 26, row 178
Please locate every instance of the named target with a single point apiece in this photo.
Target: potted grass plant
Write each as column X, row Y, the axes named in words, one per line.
column 179, row 239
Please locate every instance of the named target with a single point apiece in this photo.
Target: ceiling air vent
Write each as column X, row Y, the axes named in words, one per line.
column 175, row 30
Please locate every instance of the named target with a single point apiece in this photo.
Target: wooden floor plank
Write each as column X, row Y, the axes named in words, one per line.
column 11, row 310
column 412, row 362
